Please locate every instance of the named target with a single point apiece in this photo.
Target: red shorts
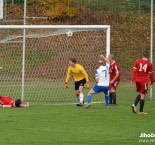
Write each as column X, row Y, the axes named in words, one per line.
column 142, row 86
column 114, row 85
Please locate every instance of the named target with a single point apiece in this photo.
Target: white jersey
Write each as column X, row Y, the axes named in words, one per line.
column 102, row 73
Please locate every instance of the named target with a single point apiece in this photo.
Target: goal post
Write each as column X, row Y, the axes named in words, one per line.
column 1, row 9
column 47, row 50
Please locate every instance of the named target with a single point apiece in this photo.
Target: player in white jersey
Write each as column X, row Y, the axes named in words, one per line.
column 102, row 81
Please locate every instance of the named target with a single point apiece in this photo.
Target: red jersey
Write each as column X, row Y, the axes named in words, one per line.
column 7, row 101
column 114, row 68
column 142, row 69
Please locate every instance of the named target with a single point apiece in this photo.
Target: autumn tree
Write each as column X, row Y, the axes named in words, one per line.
column 57, row 9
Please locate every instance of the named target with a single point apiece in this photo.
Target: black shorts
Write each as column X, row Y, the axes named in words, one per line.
column 79, row 83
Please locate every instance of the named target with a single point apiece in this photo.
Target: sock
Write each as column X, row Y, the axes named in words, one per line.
column 106, row 100
column 110, row 98
column 89, row 98
column 137, row 100
column 141, row 105
column 81, row 98
column 114, row 97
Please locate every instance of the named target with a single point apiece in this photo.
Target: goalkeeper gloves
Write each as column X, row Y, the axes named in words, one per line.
column 87, row 85
column 65, row 85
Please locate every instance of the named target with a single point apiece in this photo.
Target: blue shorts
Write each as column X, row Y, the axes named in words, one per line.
column 97, row 89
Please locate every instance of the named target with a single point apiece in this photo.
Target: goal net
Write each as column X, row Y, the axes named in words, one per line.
column 34, row 66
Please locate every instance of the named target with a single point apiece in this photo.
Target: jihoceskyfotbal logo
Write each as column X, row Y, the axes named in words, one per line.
column 147, row 138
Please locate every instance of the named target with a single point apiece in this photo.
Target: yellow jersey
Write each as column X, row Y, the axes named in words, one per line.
column 78, row 73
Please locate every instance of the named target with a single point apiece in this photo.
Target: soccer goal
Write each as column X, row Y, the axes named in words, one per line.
column 33, row 64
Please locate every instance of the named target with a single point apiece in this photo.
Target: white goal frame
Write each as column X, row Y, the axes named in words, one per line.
column 24, row 27
column 1, row 9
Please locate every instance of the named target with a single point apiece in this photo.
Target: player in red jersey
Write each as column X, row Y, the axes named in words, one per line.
column 114, row 79
column 8, row 102
column 141, row 71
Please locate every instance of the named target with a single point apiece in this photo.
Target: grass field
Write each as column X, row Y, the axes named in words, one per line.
column 71, row 125
column 120, row 5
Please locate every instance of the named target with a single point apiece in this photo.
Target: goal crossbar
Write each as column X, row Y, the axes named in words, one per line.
column 55, row 27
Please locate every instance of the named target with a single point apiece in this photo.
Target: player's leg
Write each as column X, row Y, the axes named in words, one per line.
column 77, row 94
column 141, row 98
column 95, row 90
column 80, row 89
column 77, row 90
column 112, row 93
column 115, row 84
column 137, row 99
column 89, row 98
column 143, row 91
column 105, row 90
column 81, row 96
column 142, row 101
column 112, row 97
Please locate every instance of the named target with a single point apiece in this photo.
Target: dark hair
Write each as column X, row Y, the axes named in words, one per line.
column 18, row 102
column 112, row 56
column 73, row 60
column 146, row 53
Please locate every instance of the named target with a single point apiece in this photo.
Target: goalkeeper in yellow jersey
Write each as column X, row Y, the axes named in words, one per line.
column 80, row 77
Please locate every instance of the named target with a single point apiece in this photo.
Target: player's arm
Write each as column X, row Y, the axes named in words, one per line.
column 5, row 106
column 96, row 77
column 134, row 72
column 117, row 74
column 151, row 77
column 151, row 74
column 104, row 59
column 86, row 76
column 67, row 78
column 25, row 105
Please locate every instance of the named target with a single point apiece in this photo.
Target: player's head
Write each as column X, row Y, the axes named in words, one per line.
column 145, row 54
column 101, row 62
column 111, row 57
column 18, row 102
column 72, row 61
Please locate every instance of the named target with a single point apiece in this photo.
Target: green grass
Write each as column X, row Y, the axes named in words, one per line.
column 118, row 5
column 71, row 125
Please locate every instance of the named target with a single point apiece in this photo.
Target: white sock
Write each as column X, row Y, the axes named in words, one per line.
column 81, row 98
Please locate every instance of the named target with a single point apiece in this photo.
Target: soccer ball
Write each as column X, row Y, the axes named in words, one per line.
column 69, row 33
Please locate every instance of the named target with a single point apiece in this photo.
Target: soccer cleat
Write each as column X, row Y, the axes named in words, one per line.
column 79, row 104
column 112, row 104
column 88, row 105
column 142, row 113
column 133, row 108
